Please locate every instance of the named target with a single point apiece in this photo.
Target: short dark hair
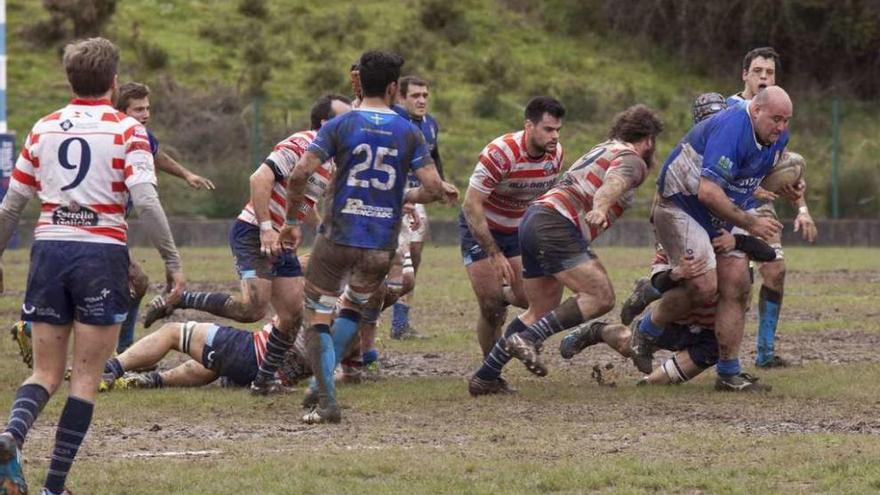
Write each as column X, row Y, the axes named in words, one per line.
column 766, row 52
column 91, row 65
column 377, row 70
column 130, row 91
column 539, row 105
column 634, row 124
column 323, row 109
column 406, row 81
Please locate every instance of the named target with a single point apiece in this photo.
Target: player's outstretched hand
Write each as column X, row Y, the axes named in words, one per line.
column 199, row 182
column 450, row 193
column 803, row 223
column 290, row 237
column 176, row 283
column 764, row 227
column 597, row 219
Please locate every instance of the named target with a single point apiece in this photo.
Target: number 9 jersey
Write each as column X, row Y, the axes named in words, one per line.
column 374, row 151
column 80, row 161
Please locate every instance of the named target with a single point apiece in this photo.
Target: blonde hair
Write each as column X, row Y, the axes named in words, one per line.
column 91, row 65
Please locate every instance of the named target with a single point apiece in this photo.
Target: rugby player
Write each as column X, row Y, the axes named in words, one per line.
column 555, row 236
column 412, row 103
column 760, row 67
column 217, row 352
column 83, row 162
column 704, row 184
column 133, row 98
column 268, row 271
column 374, row 149
column 512, row 170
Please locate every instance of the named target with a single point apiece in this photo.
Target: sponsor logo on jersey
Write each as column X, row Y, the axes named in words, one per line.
column 354, row 206
column 74, row 215
column 66, row 125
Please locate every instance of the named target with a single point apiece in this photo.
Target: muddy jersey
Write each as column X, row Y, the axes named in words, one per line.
column 81, row 162
column 724, row 150
column 573, row 196
column 374, row 150
column 512, row 179
column 282, row 160
column 702, row 317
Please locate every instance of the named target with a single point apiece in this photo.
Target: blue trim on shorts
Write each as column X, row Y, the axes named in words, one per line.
column 471, row 251
column 212, row 332
column 231, row 354
column 244, row 241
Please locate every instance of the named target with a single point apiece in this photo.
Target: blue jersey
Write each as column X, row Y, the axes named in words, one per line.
column 374, row 150
column 154, row 142
column 735, row 100
column 430, row 129
column 723, row 149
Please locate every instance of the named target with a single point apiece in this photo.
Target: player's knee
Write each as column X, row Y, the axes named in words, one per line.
column 493, row 312
column 604, row 301
column 254, row 312
column 774, row 274
column 702, row 290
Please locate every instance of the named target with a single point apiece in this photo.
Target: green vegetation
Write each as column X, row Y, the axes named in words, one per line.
column 816, row 432
column 484, row 57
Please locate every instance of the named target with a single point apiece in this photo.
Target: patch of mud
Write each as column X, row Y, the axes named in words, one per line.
column 801, row 425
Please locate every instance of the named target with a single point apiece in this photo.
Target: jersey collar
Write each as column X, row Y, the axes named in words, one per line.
column 752, row 126
column 90, row 102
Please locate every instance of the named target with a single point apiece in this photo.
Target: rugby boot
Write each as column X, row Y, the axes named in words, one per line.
column 774, row 362
column 310, row 398
column 21, row 334
column 642, row 295
column 742, row 382
column 11, row 476
column 266, row 385
column 329, row 413
column 642, row 349
column 294, row 368
column 477, row 386
column 580, row 338
column 526, row 352
column 157, row 310
column 138, row 380
column 45, row 491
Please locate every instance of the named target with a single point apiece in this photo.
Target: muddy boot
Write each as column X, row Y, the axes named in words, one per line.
column 477, row 387
column 642, row 349
column 11, row 475
column 156, row 310
column 526, row 352
column 580, row 338
column 742, row 382
column 642, row 295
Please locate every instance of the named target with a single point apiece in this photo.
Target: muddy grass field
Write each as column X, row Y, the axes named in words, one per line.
column 417, row 430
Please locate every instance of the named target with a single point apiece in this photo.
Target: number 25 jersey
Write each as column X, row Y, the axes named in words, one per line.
column 374, row 150
column 81, row 161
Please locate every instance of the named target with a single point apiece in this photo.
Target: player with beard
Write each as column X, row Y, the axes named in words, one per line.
column 512, row 170
column 555, row 236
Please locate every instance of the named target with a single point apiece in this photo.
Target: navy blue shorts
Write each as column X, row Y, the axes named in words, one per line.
column 550, row 243
column 700, row 343
column 82, row 281
column 244, row 239
column 230, row 353
column 471, row 250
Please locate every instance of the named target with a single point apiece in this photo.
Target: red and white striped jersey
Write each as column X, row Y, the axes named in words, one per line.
column 282, row 160
column 572, row 197
column 81, row 161
column 512, row 179
column 703, row 317
column 261, row 338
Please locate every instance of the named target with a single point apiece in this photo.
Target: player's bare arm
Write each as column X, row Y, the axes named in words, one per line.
column 169, row 165
column 432, row 187
column 261, row 183
column 713, row 196
column 606, row 196
column 475, row 215
column 291, row 234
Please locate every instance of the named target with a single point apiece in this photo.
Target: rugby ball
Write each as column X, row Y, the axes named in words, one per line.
column 788, row 170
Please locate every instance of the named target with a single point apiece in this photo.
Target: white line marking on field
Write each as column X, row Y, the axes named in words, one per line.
column 183, row 453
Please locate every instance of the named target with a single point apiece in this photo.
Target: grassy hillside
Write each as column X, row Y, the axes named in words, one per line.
column 484, row 57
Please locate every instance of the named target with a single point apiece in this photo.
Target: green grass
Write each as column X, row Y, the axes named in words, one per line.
column 508, row 56
column 817, row 431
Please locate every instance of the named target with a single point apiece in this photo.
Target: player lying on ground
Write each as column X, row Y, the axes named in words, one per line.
column 217, row 352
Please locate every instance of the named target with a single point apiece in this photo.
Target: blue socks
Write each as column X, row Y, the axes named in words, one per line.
column 728, row 367
column 370, row 357
column 29, row 401
column 399, row 318
column 498, row 357
column 327, row 362
column 649, row 328
column 344, row 329
column 72, row 427
column 769, row 304
column 212, row 302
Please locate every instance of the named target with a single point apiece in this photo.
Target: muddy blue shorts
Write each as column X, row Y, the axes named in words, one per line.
column 508, row 243
column 82, row 281
column 550, row 243
column 230, row 353
column 700, row 343
column 244, row 240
